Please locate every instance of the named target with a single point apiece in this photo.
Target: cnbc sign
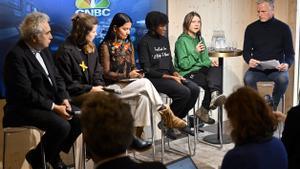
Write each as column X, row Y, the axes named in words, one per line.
column 93, row 7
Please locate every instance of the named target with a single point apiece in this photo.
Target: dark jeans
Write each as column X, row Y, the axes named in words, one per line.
column 210, row 79
column 183, row 96
column 59, row 134
column 281, row 80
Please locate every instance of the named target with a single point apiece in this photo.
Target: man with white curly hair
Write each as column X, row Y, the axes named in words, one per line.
column 36, row 95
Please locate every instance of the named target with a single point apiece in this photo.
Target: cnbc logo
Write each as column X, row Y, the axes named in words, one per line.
column 93, row 7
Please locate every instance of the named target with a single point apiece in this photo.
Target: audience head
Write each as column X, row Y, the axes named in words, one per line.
column 36, row 31
column 250, row 117
column 119, row 28
column 265, row 9
column 107, row 125
column 84, row 30
column 192, row 23
column 156, row 22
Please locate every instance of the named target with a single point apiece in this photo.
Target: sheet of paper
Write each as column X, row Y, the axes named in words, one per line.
column 268, row 64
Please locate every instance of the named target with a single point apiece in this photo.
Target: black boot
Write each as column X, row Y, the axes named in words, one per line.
column 140, row 145
column 187, row 130
column 57, row 163
column 34, row 158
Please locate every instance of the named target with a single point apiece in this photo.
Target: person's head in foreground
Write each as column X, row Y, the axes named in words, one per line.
column 107, row 125
column 251, row 118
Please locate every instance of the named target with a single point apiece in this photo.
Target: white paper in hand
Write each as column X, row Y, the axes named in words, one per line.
column 268, row 64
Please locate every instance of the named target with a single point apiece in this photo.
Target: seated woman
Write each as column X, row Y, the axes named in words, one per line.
column 253, row 124
column 192, row 62
column 290, row 136
column 156, row 60
column 117, row 57
column 78, row 63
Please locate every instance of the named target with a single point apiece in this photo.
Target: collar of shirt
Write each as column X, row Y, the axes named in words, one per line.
column 34, row 51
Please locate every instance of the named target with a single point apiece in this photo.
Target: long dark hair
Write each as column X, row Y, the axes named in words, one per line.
column 118, row 20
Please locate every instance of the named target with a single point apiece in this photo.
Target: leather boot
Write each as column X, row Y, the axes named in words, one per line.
column 203, row 115
column 169, row 119
column 217, row 100
column 34, row 158
column 140, row 145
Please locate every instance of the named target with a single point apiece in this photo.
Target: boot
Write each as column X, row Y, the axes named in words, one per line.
column 169, row 119
column 203, row 115
column 140, row 145
column 217, row 100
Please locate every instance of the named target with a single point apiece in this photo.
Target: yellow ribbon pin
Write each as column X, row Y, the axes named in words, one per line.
column 83, row 66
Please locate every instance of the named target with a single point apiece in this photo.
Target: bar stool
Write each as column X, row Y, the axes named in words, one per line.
column 12, row 130
column 266, row 88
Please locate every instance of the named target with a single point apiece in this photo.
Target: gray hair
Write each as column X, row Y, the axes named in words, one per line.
column 32, row 24
column 271, row 2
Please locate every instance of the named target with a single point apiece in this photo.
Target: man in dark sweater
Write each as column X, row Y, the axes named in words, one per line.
column 267, row 39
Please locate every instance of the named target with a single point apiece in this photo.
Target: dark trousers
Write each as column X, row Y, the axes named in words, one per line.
column 183, row 96
column 60, row 134
column 210, row 79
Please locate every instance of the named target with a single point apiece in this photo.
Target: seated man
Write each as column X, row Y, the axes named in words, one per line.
column 268, row 39
column 36, row 95
column 107, row 126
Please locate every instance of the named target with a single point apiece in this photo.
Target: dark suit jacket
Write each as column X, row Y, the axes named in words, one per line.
column 127, row 163
column 27, row 85
column 291, row 137
column 78, row 82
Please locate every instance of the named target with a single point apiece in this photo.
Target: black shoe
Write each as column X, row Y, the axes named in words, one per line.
column 34, row 159
column 171, row 134
column 140, row 145
column 57, row 163
column 187, row 130
column 191, row 122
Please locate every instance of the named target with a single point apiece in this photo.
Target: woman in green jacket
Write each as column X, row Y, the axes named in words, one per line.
column 192, row 62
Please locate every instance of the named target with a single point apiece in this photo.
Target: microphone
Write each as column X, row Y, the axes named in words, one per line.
column 198, row 35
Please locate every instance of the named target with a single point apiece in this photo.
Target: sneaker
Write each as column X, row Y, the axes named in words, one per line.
column 203, row 115
column 170, row 120
column 217, row 100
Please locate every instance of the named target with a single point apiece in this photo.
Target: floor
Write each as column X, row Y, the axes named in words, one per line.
column 206, row 156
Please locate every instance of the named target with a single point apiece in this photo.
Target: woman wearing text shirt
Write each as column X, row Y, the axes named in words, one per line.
column 156, row 60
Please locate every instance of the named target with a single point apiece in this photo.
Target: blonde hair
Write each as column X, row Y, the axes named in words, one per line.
column 188, row 20
column 32, row 25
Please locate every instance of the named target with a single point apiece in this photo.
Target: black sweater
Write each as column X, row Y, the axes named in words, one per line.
column 269, row 40
column 155, row 56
